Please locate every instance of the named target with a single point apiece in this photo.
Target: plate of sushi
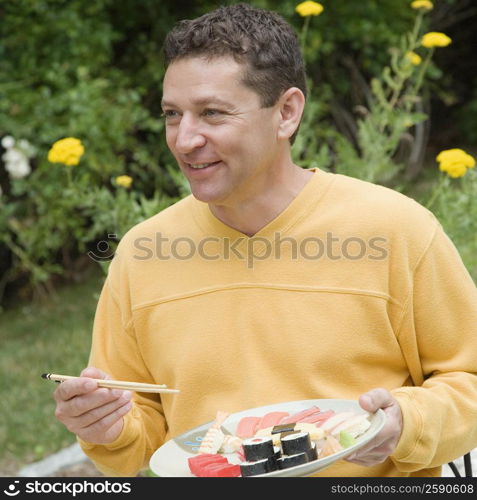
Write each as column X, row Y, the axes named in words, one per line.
column 294, row 439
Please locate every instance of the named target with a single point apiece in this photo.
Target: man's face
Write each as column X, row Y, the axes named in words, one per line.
column 212, row 118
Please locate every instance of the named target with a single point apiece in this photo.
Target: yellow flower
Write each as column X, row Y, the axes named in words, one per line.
column 67, row 151
column 435, row 39
column 422, row 4
column 455, row 162
column 124, row 181
column 306, row 9
column 413, row 58
column 454, row 170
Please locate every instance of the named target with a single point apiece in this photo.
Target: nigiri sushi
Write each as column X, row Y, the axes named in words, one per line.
column 354, row 426
column 214, row 437
column 335, row 420
column 329, row 446
column 230, row 444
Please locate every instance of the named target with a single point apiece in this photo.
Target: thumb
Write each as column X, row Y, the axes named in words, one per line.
column 376, row 398
column 367, row 403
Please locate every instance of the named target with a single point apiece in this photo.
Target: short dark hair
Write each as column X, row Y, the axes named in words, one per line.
column 261, row 39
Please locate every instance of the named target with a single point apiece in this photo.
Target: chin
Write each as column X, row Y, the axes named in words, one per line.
column 210, row 197
column 204, row 196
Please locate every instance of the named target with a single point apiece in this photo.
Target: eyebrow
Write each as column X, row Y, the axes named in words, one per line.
column 203, row 101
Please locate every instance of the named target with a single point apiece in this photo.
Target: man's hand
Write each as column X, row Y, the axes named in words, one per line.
column 379, row 448
column 93, row 413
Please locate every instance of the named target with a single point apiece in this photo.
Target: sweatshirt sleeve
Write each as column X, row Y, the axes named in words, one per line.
column 438, row 337
column 115, row 351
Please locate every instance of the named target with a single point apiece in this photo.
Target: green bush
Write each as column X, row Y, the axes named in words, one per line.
column 454, row 201
column 65, row 74
column 93, row 70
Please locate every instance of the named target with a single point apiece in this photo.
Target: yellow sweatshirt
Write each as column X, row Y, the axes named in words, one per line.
column 353, row 286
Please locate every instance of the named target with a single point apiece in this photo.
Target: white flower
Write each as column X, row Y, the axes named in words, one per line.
column 18, row 170
column 16, row 157
column 13, row 155
column 8, row 142
column 26, row 147
column 16, row 163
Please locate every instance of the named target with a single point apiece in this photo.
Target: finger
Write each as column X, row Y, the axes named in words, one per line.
column 376, row 398
column 370, row 448
column 79, row 405
column 102, row 426
column 74, row 387
column 95, row 415
column 387, row 438
column 93, row 372
column 385, row 448
column 375, row 456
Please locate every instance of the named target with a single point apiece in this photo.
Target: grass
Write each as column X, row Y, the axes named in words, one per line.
column 53, row 337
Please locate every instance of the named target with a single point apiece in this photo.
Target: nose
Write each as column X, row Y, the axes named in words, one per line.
column 189, row 136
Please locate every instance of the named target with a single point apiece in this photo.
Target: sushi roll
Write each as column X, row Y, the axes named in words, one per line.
column 277, row 432
column 248, row 469
column 258, row 448
column 273, row 460
column 312, row 454
column 286, row 461
column 298, row 442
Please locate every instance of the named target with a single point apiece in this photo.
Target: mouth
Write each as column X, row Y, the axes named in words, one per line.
column 200, row 167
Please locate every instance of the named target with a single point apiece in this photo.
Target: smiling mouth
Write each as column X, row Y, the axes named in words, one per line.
column 200, row 166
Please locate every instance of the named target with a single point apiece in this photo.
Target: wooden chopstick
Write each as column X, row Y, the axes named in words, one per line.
column 116, row 384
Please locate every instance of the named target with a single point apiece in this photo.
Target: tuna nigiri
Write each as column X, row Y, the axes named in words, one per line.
column 318, row 418
column 247, row 427
column 297, row 417
column 272, row 418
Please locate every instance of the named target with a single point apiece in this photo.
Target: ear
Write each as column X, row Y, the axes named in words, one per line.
column 291, row 105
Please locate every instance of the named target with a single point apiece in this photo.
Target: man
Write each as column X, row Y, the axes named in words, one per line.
column 273, row 283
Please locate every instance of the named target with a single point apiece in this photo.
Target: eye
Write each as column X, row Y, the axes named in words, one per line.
column 212, row 112
column 169, row 113
column 171, row 117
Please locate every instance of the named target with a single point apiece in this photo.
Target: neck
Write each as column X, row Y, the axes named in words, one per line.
column 250, row 216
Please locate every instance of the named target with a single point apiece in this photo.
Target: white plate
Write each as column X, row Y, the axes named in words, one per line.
column 170, row 460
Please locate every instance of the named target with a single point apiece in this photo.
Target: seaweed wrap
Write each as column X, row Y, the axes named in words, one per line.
column 277, row 453
column 312, row 454
column 258, row 448
column 248, row 469
column 298, row 442
column 286, row 461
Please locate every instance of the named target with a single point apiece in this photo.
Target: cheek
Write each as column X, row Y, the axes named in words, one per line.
column 226, row 143
column 170, row 139
column 260, row 142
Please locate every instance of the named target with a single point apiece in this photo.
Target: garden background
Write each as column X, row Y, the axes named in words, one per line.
column 381, row 107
